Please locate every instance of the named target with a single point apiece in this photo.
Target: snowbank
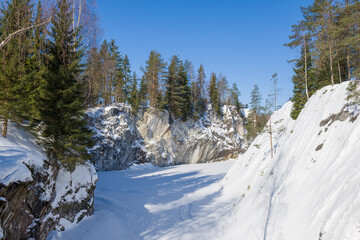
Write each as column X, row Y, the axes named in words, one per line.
column 311, row 188
column 17, row 151
column 37, row 194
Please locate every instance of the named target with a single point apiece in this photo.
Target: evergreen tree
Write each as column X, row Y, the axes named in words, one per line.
column 214, row 94
column 126, row 78
column 65, row 136
column 178, row 93
column 184, row 92
column 116, row 75
column 223, row 89
column 234, row 97
column 134, row 99
column 255, row 119
column 198, row 93
column 153, row 74
column 13, row 57
column 299, row 91
column 36, row 68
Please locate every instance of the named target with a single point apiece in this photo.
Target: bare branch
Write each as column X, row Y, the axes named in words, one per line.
column 6, row 40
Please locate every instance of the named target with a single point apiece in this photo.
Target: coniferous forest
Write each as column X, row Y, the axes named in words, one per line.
column 53, row 68
column 328, row 40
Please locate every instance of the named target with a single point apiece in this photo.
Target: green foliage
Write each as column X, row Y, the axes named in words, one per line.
column 14, row 80
column 134, row 98
column 234, row 99
column 65, row 135
column 328, row 39
column 153, row 75
column 353, row 92
column 178, row 92
column 258, row 115
column 214, row 94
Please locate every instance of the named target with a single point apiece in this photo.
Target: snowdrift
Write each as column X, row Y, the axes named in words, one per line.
column 311, row 188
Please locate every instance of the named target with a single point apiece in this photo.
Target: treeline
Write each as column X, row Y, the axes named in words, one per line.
column 51, row 70
column 174, row 86
column 41, row 73
column 328, row 39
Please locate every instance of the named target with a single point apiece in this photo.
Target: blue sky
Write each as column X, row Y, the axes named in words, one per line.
column 243, row 40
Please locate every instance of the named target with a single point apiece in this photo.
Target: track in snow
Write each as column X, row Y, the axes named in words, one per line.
column 144, row 202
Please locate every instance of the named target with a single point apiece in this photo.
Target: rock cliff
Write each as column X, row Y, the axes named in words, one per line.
column 123, row 138
column 38, row 195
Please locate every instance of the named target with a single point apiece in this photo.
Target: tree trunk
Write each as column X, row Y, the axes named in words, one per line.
column 5, row 127
column 331, row 65
column 306, row 70
column 348, row 64
column 339, row 69
column 272, row 152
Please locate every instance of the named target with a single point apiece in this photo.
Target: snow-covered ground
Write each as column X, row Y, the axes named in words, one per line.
column 17, row 151
column 144, row 202
column 309, row 190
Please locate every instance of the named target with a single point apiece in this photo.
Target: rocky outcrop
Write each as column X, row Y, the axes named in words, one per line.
column 32, row 209
column 38, row 195
column 123, row 138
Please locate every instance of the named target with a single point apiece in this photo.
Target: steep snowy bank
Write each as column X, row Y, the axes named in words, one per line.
column 37, row 194
column 123, row 138
column 311, row 188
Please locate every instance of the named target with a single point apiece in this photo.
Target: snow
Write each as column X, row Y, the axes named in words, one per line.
column 17, row 151
column 144, row 200
column 309, row 190
column 72, row 186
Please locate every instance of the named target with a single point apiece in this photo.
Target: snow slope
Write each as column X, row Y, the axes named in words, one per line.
column 309, row 190
column 17, row 151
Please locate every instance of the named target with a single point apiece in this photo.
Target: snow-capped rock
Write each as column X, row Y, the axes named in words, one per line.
column 123, row 138
column 35, row 192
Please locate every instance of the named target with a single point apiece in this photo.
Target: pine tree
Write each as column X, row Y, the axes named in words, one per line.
column 223, row 89
column 299, row 91
column 184, row 92
column 275, row 89
column 126, row 79
column 105, row 69
column 153, row 74
column 116, row 74
column 254, row 124
column 214, row 94
column 134, row 98
column 65, row 136
column 234, row 97
column 198, row 93
column 178, row 93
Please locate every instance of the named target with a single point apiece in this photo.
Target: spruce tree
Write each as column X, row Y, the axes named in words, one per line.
column 13, row 56
column 36, row 68
column 199, row 93
column 214, row 94
column 254, row 122
column 134, row 98
column 184, row 92
column 65, row 136
column 126, row 79
column 234, row 98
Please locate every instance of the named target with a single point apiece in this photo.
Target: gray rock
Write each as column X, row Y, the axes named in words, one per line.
column 123, row 138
